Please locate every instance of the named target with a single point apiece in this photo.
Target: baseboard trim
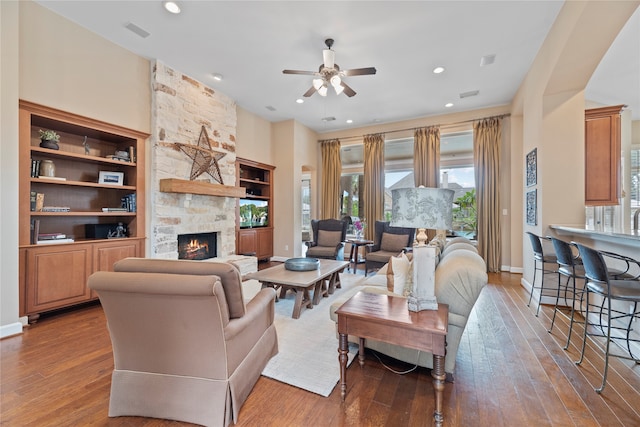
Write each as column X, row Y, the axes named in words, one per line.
column 10, row 329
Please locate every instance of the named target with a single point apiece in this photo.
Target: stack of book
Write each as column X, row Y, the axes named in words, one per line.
column 129, row 202
column 54, row 238
column 56, row 209
column 38, row 238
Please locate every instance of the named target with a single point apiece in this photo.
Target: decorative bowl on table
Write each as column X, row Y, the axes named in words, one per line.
column 302, row 264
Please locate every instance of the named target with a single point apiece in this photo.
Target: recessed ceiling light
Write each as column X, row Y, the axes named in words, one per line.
column 448, row 105
column 172, row 6
column 217, row 77
column 300, row 101
column 349, row 121
column 438, row 70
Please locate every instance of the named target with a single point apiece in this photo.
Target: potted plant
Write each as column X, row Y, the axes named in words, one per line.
column 49, row 139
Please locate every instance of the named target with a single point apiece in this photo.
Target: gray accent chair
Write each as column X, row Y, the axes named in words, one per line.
column 388, row 241
column 329, row 236
column 186, row 347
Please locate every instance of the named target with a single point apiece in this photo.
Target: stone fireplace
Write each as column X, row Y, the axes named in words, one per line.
column 181, row 106
column 197, row 246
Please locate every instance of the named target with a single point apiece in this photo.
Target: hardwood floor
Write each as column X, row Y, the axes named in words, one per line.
column 510, row 372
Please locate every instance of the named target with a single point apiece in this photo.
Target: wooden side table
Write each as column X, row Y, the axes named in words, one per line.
column 386, row 318
column 354, row 257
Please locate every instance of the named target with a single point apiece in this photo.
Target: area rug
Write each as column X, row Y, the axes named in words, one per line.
column 308, row 346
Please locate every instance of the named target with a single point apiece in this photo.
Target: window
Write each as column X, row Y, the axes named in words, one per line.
column 306, row 205
column 456, row 168
column 634, row 191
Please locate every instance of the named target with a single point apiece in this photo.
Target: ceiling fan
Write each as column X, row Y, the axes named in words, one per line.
column 329, row 73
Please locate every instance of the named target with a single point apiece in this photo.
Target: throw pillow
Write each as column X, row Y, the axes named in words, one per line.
column 394, row 242
column 328, row 238
column 397, row 273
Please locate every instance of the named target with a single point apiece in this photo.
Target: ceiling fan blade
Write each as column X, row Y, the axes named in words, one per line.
column 310, row 92
column 306, row 73
column 347, row 89
column 359, row 71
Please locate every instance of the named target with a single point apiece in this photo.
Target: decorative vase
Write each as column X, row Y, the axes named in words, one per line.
column 359, row 234
column 49, row 143
column 47, row 168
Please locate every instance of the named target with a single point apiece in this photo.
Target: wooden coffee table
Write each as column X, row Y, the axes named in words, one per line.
column 322, row 281
column 386, row 318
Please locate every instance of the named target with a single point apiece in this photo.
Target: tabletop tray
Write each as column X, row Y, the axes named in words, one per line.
column 302, row 264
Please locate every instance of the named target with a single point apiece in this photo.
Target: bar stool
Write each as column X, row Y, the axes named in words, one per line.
column 539, row 261
column 569, row 266
column 627, row 291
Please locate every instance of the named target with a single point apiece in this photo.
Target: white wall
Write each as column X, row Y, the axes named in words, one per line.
column 9, row 72
column 50, row 60
column 253, row 137
column 551, row 102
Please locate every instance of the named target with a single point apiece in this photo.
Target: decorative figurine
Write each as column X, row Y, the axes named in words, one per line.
column 85, row 144
column 118, row 233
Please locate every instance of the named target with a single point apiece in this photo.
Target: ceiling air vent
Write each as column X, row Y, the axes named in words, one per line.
column 139, row 31
column 469, row 94
column 487, row 60
column 328, row 119
column 270, row 108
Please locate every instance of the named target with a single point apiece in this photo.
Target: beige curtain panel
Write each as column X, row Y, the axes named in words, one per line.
column 426, row 160
column 426, row 156
column 373, row 181
column 487, row 135
column 331, row 171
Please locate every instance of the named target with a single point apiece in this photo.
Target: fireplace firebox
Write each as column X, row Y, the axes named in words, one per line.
column 197, row 246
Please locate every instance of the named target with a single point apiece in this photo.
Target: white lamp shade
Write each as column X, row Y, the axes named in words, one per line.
column 422, row 207
column 323, row 90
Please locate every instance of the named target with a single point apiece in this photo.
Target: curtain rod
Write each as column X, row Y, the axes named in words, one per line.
column 415, row 128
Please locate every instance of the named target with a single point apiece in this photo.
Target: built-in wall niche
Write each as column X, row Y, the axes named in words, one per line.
column 197, row 246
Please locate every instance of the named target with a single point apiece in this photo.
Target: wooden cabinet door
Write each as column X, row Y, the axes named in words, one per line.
column 56, row 277
column 602, row 156
column 108, row 253
column 265, row 243
column 247, row 242
column 105, row 254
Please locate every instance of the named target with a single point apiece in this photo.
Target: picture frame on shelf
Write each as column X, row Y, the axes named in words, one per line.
column 532, row 167
column 111, row 178
column 532, row 208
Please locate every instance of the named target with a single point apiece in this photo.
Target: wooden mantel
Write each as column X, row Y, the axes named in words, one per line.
column 173, row 185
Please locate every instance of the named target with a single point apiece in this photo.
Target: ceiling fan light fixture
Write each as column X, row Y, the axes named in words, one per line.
column 335, row 81
column 328, row 57
column 323, row 90
column 317, row 83
column 339, row 89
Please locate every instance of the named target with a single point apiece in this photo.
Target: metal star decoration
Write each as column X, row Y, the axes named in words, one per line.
column 205, row 160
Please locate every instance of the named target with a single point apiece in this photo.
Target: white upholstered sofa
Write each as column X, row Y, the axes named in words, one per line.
column 459, row 278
